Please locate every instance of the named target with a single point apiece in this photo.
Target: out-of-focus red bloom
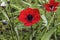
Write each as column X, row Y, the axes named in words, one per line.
column 29, row 16
column 51, row 6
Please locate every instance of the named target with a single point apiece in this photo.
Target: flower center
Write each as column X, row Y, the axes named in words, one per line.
column 29, row 17
column 51, row 7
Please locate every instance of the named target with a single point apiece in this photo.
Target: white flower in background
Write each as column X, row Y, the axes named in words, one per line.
column 4, row 22
column 2, row 0
column 44, row 20
column 43, row 1
column 3, row 4
column 8, row 0
column 47, row 0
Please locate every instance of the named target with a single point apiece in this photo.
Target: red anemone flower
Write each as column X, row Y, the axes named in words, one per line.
column 29, row 16
column 52, row 6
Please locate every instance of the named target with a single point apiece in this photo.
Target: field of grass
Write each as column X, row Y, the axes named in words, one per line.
column 48, row 28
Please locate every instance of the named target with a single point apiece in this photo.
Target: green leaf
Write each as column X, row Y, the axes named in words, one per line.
column 47, row 35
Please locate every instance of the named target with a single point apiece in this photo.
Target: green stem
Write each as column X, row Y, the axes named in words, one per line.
column 54, row 26
column 50, row 21
column 31, row 33
column 11, row 31
column 55, row 36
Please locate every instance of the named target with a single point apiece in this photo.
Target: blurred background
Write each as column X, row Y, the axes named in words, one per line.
column 12, row 29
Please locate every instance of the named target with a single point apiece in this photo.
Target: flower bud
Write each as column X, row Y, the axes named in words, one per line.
column 4, row 22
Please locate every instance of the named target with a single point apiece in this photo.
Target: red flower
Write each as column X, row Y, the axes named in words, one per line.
column 29, row 16
column 52, row 6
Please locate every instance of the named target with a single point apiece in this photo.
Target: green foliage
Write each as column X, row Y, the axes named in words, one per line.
column 15, row 30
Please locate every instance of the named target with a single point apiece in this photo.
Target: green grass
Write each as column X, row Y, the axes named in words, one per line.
column 16, row 30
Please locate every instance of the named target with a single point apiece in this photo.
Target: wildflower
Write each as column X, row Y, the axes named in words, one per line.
column 29, row 16
column 3, row 4
column 51, row 6
column 4, row 22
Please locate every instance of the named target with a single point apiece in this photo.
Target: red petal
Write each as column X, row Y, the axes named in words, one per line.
column 36, row 10
column 52, row 1
column 47, row 7
column 56, row 4
column 54, row 9
column 22, row 16
column 36, row 19
column 28, row 24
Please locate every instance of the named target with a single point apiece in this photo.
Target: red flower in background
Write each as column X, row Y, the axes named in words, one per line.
column 29, row 16
column 52, row 6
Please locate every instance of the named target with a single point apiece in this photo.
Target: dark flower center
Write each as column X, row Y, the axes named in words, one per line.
column 29, row 17
column 51, row 7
